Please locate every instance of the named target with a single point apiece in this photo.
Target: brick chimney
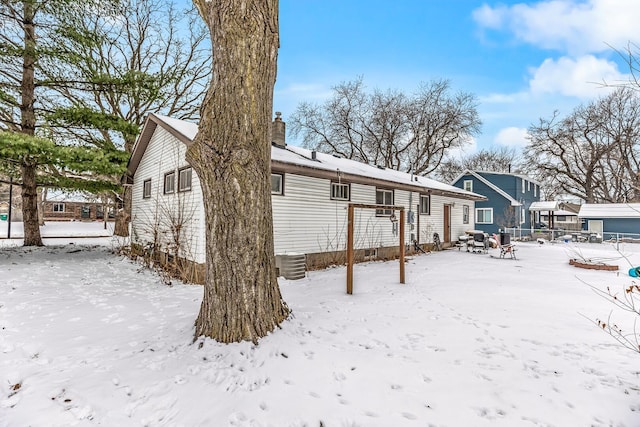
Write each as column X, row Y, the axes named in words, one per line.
column 278, row 131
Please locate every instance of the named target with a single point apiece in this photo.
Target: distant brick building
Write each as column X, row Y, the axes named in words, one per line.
column 74, row 207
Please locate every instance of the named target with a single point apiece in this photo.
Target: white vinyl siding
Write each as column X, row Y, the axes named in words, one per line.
column 305, row 220
column 159, row 210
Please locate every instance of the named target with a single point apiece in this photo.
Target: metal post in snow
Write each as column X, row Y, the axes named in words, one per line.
column 10, row 203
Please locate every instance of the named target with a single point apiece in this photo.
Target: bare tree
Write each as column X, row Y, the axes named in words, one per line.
column 147, row 56
column 496, row 159
column 231, row 154
column 592, row 153
column 408, row 133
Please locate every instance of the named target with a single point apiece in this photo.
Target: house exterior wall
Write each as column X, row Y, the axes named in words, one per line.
column 72, row 211
column 504, row 215
column 615, row 225
column 154, row 218
column 305, row 218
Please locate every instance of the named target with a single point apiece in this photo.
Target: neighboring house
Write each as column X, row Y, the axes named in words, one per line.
column 310, row 194
column 607, row 219
column 556, row 215
column 61, row 206
column 509, row 197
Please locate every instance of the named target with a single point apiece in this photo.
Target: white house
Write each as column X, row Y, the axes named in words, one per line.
column 310, row 194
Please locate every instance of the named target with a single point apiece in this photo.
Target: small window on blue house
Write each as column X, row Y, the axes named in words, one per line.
column 484, row 215
column 467, row 184
column 523, row 215
column 523, row 185
column 528, row 185
column 535, row 190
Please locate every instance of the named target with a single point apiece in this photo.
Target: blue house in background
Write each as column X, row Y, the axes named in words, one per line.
column 508, row 199
column 607, row 219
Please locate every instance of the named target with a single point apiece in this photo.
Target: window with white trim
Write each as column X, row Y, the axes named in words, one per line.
column 58, row 207
column 146, row 189
column 169, row 182
column 465, row 214
column 535, row 190
column 523, row 215
column 339, row 191
column 384, row 197
column 277, row 186
column 425, row 204
column 467, row 184
column 528, row 185
column 484, row 215
column 184, row 179
column 523, row 185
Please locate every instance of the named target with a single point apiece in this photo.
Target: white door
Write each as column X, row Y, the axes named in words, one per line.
column 596, row 226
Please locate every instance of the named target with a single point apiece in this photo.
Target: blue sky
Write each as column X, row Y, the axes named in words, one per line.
column 522, row 60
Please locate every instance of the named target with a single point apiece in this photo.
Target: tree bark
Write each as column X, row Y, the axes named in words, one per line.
column 231, row 155
column 28, row 126
column 123, row 214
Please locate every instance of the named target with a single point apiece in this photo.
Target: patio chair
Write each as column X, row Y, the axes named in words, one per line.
column 505, row 245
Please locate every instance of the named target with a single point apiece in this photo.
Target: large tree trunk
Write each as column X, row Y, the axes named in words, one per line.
column 30, row 207
column 28, row 126
column 123, row 213
column 231, row 155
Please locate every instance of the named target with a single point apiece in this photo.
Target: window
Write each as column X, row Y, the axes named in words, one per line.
column 465, row 214
column 146, row 189
column 561, row 218
column 425, row 204
column 339, row 191
column 58, row 207
column 468, row 185
column 535, row 190
column 169, row 182
column 484, row 215
column 523, row 185
column 276, row 184
column 184, row 179
column 384, row 197
column 523, row 215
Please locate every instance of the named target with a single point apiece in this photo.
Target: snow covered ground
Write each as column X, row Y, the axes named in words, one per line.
column 57, row 232
column 88, row 338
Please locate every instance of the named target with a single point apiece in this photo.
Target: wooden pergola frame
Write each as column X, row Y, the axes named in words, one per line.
column 350, row 251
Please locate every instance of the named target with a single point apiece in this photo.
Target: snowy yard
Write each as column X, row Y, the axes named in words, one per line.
column 89, row 338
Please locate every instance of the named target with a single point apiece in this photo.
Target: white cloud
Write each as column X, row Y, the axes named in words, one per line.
column 512, row 137
column 581, row 77
column 573, row 26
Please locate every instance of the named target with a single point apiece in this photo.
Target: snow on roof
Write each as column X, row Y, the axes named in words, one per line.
column 188, row 129
column 70, row 196
column 303, row 157
column 548, row 205
column 610, row 210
